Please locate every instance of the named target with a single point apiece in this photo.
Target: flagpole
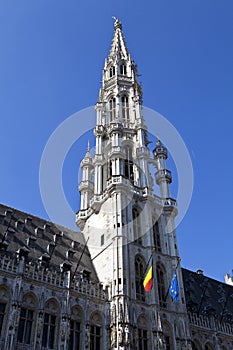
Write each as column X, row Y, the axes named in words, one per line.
column 178, row 261
column 202, row 297
column 80, row 258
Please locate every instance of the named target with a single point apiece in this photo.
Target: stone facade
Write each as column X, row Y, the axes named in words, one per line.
column 59, row 292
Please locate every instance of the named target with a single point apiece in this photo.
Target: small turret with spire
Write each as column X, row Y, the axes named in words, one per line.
column 163, row 176
column 86, row 185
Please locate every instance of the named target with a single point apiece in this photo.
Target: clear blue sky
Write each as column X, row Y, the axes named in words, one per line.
column 52, row 54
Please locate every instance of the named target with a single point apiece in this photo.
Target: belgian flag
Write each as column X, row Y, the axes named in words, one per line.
column 148, row 280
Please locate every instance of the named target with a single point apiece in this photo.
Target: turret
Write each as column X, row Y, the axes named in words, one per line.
column 163, row 176
column 86, row 185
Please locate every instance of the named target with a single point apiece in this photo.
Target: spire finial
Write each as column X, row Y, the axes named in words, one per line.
column 117, row 23
column 88, row 145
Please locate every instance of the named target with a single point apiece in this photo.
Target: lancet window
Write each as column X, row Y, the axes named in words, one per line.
column 125, row 107
column 123, row 69
column 112, row 108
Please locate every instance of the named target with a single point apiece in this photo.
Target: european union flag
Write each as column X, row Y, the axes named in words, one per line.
column 174, row 288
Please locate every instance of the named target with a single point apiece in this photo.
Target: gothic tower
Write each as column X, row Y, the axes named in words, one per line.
column 124, row 221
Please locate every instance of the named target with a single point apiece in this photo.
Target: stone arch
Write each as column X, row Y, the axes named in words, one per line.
column 77, row 312
column 30, row 300
column 96, row 318
column 52, row 305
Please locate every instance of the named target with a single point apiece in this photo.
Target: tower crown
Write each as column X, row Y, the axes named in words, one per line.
column 120, row 96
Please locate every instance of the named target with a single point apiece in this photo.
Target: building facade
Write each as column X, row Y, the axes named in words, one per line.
column 62, row 289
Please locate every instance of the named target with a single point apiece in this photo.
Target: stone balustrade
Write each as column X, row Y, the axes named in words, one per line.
column 210, row 323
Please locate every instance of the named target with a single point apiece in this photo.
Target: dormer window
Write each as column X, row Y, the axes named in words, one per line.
column 111, row 72
column 123, row 70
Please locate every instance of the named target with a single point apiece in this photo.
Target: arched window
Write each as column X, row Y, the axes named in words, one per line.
column 139, row 276
column 160, row 272
column 112, row 108
column 123, row 69
column 4, row 298
column 75, row 328
column 111, row 72
column 27, row 315
column 136, row 225
column 143, row 336
column 125, row 107
column 96, row 331
column 50, row 324
column 156, row 236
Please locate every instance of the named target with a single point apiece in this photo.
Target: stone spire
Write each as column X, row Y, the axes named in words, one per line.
column 119, row 48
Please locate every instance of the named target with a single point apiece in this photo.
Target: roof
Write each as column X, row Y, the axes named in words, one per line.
column 43, row 242
column 207, row 296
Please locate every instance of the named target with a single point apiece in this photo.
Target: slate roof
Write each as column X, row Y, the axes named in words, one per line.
column 206, row 296
column 43, row 242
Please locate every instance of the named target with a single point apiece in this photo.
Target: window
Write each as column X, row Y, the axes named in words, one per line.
column 112, row 108
column 123, row 70
column 111, row 72
column 136, row 225
column 156, row 236
column 161, row 285
column 26, row 319
column 95, row 337
column 125, row 107
column 49, row 336
column 128, row 164
column 75, row 335
column 25, row 326
column 49, row 331
column 2, row 314
column 75, row 328
column 142, row 339
column 96, row 332
column 102, row 240
column 139, row 275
